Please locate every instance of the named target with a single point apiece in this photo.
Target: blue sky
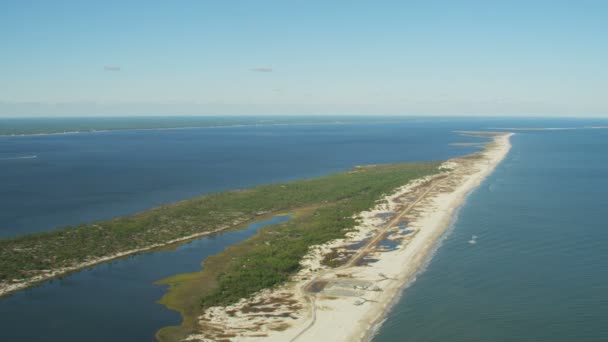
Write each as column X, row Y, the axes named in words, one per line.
column 304, row 57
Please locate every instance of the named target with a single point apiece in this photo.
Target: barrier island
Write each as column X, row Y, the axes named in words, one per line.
column 353, row 258
column 354, row 240
column 331, row 200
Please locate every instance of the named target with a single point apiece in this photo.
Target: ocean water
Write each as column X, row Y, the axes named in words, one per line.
column 539, row 269
column 82, row 177
column 49, row 181
column 537, row 273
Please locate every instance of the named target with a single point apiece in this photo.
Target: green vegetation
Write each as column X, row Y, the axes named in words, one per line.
column 325, row 208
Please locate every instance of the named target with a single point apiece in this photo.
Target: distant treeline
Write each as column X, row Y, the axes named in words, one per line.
column 49, row 125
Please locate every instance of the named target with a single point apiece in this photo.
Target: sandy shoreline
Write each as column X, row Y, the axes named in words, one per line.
column 393, row 241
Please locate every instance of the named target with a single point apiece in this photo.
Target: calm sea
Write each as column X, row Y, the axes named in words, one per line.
column 77, row 178
column 47, row 181
column 539, row 269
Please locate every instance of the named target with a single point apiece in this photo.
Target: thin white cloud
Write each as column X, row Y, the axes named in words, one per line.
column 111, row 68
column 262, row 69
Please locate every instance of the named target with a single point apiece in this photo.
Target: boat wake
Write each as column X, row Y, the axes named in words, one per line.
column 22, row 157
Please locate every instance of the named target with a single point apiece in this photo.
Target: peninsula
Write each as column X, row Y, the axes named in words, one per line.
column 344, row 287
column 29, row 259
column 354, row 240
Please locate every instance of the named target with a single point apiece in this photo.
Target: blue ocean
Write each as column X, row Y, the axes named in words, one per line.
column 539, row 269
column 537, row 273
column 49, row 181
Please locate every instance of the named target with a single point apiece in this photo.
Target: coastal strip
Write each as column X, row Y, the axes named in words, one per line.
column 345, row 287
column 328, row 202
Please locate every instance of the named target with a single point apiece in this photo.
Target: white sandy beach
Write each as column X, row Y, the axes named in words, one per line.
column 347, row 302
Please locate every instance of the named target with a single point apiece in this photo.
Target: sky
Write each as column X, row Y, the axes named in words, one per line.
column 541, row 58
